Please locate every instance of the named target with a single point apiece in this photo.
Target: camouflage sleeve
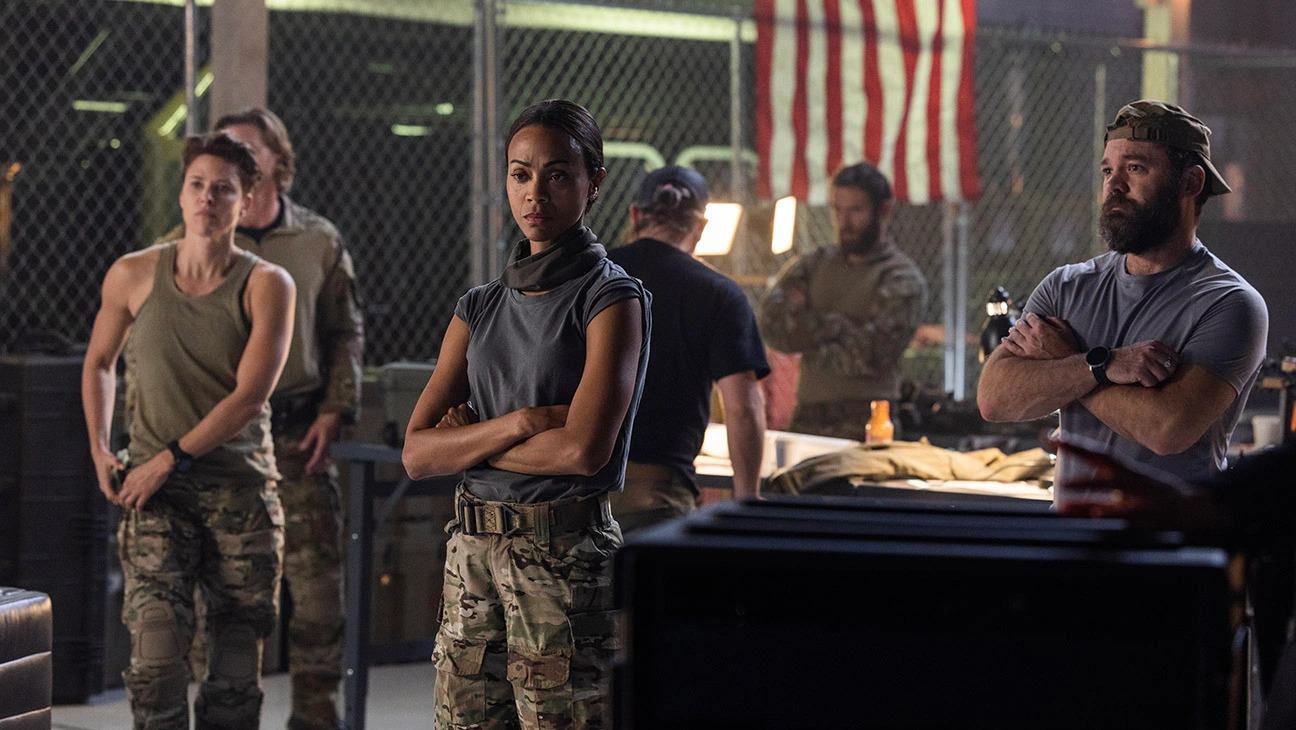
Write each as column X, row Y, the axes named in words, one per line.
column 787, row 321
column 341, row 327
column 864, row 349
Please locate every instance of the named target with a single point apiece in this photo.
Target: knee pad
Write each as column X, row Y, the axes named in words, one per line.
column 236, row 654
column 157, row 637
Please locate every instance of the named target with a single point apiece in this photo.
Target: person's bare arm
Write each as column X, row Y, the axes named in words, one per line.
column 269, row 299
column 1149, row 499
column 744, row 411
column 99, row 372
column 584, row 443
column 436, row 445
column 341, row 327
column 1166, row 420
column 1014, row 388
column 1036, row 370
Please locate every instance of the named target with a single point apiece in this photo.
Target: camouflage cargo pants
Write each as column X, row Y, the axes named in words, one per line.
column 527, row 631
column 312, row 507
column 228, row 537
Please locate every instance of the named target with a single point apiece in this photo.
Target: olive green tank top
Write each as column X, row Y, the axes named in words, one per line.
column 183, row 353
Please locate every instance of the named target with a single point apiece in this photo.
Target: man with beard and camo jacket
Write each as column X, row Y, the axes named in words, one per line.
column 1151, row 349
column 849, row 310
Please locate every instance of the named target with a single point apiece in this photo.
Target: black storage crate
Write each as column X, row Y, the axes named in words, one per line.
column 881, row 614
column 53, row 521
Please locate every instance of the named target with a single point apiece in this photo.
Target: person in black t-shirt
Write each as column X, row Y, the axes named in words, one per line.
column 704, row 332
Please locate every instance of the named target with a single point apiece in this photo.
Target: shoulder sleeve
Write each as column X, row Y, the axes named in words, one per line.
column 1231, row 338
column 612, row 289
column 469, row 306
column 736, row 344
column 904, row 282
column 1044, row 300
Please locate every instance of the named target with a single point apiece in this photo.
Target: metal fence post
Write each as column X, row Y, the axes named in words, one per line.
column 963, row 225
column 738, row 191
column 486, row 153
column 190, row 83
column 951, row 302
column 1100, row 131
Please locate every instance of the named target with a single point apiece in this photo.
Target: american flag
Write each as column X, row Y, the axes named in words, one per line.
column 887, row 81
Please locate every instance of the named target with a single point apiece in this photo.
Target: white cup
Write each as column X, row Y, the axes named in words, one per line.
column 1266, row 430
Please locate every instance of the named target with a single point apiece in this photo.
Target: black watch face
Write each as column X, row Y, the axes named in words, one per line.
column 1097, row 357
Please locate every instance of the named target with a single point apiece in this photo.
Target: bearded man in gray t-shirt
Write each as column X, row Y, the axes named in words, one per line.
column 1150, row 350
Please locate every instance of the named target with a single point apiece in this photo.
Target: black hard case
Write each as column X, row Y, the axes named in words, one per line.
column 945, row 613
column 53, row 520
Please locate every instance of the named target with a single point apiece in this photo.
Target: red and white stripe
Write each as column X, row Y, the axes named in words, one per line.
column 887, row 81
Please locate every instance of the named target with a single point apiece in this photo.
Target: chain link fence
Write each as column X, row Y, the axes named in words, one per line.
column 82, row 87
column 379, row 98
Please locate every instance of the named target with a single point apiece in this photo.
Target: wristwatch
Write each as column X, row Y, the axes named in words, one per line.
column 1097, row 359
column 183, row 461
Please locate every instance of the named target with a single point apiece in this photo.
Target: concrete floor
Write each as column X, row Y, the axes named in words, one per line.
column 400, row 697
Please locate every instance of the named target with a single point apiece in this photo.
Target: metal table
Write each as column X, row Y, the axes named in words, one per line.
column 362, row 524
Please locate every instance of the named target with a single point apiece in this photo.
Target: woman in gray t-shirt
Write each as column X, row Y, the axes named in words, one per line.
column 532, row 399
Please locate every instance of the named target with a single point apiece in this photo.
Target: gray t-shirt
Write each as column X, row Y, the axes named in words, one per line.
column 530, row 351
column 1200, row 308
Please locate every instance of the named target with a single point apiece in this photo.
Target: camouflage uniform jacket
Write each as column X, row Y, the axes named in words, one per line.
column 851, row 321
column 327, row 349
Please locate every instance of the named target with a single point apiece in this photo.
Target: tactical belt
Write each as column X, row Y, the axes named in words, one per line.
column 478, row 517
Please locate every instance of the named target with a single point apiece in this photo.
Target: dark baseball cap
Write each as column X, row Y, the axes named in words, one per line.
column 681, row 177
column 1156, row 121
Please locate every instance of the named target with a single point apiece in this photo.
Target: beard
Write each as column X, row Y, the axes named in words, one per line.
column 1145, row 226
column 862, row 242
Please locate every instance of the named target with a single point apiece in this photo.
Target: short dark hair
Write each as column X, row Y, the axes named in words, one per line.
column 1181, row 160
column 866, row 177
column 569, row 118
column 275, row 135
column 220, row 144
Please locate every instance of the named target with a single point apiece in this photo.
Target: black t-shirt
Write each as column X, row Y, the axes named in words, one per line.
column 703, row 330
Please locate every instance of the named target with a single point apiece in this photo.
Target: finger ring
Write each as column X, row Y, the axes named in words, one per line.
column 1167, row 364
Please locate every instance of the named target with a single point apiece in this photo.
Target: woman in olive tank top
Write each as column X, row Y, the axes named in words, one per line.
column 552, row 358
column 205, row 328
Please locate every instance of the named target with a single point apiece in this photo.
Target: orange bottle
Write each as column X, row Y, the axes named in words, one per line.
column 879, row 429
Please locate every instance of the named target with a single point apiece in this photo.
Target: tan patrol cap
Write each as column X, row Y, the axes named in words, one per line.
column 1156, row 121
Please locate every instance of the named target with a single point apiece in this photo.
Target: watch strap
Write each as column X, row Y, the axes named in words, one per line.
column 1100, row 374
column 183, row 459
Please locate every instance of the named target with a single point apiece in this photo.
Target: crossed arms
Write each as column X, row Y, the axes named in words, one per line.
column 790, row 322
column 444, row 437
column 1039, row 368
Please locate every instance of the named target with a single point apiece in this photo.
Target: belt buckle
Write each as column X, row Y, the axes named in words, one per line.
column 501, row 514
column 467, row 516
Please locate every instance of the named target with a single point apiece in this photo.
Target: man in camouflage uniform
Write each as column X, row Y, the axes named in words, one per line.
column 850, row 311
column 318, row 393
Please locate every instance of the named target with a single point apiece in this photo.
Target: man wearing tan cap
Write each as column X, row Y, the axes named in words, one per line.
column 1150, row 350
